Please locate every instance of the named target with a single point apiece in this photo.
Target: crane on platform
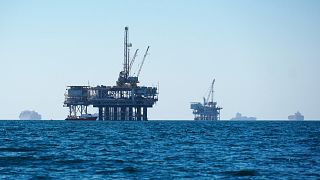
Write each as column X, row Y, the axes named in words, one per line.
column 126, row 78
column 143, row 60
column 133, row 59
column 210, row 94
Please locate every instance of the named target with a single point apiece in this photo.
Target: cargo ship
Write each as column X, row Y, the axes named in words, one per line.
column 296, row 117
column 239, row 117
column 83, row 117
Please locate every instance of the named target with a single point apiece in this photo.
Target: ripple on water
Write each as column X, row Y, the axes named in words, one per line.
column 17, row 149
column 242, row 172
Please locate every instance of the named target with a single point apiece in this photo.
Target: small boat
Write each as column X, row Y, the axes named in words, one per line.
column 83, row 117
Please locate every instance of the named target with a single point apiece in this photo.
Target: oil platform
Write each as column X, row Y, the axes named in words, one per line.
column 208, row 111
column 125, row 101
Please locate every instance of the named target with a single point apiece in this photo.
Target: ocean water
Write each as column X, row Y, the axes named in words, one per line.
column 160, row 150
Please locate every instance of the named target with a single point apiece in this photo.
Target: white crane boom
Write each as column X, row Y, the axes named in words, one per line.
column 144, row 58
column 211, row 91
column 132, row 60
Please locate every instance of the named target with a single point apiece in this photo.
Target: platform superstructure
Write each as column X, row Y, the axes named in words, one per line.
column 124, row 101
column 208, row 110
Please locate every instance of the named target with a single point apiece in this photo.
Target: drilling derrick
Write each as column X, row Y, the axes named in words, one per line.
column 208, row 110
column 126, row 100
column 124, row 74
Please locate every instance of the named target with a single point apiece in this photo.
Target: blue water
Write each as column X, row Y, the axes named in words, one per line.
column 159, row 150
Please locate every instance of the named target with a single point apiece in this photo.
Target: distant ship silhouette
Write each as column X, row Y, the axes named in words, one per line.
column 296, row 117
column 239, row 117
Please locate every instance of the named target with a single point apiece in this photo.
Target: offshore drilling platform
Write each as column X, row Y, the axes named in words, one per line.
column 126, row 101
column 208, row 111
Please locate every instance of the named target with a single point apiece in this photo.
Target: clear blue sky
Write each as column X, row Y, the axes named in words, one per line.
column 265, row 55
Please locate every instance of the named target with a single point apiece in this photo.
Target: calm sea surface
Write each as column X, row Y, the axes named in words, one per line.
column 159, row 150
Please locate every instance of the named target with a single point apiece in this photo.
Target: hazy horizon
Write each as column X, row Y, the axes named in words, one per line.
column 264, row 55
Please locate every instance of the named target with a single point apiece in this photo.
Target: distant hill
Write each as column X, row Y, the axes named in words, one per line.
column 29, row 115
